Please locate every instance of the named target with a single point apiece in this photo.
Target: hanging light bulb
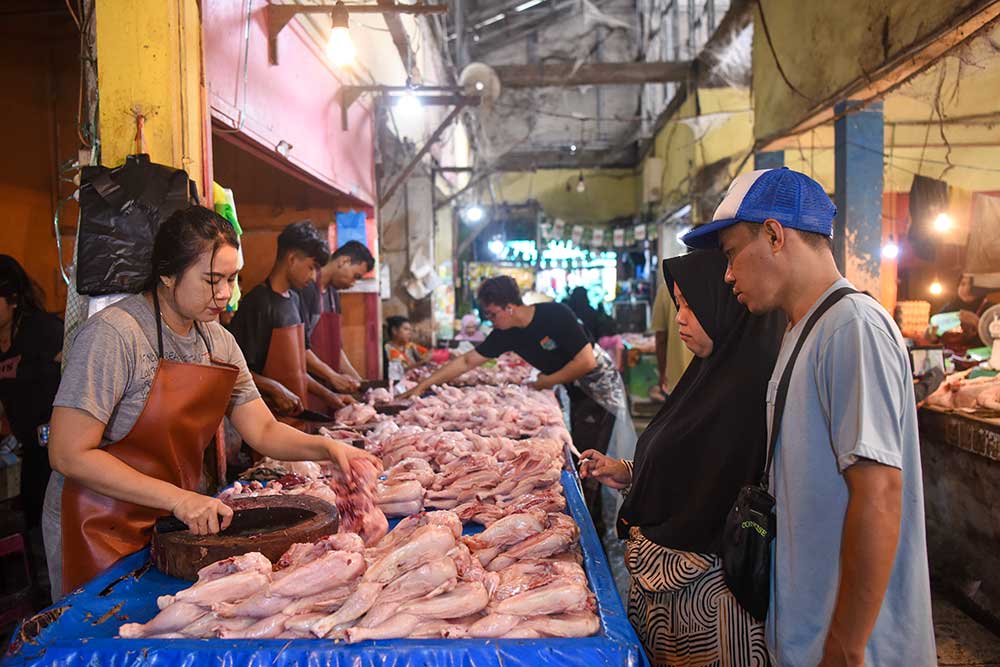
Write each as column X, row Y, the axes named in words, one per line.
column 890, row 250
column 409, row 104
column 581, row 187
column 340, row 48
column 936, row 288
column 943, row 223
column 474, row 214
column 496, row 246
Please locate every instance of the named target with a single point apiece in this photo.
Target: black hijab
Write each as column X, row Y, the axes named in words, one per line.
column 710, row 437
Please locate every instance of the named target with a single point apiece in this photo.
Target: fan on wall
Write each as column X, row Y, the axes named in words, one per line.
column 482, row 80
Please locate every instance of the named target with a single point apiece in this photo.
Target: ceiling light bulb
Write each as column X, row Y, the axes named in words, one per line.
column 409, row 104
column 340, row 49
column 943, row 223
column 474, row 214
column 890, row 250
column 572, row 148
column 497, row 247
column 936, row 288
column 480, row 86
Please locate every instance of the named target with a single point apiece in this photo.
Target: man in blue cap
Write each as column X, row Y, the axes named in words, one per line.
column 846, row 474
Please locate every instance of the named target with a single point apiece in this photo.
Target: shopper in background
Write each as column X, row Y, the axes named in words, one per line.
column 31, row 343
column 707, row 441
column 400, row 347
column 470, row 330
column 320, row 301
column 849, row 575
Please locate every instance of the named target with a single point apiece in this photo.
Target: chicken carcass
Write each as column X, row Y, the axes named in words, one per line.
column 427, row 543
column 330, row 570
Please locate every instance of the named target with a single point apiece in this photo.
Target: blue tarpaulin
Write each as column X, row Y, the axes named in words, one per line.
column 79, row 631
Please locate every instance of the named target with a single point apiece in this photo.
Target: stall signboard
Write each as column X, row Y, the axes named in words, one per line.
column 577, row 234
column 619, row 237
column 640, row 232
column 597, row 239
column 545, row 230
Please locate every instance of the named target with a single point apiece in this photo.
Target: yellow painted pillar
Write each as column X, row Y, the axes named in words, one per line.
column 149, row 61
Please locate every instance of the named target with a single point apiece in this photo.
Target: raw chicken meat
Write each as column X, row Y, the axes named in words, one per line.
column 378, row 395
column 554, row 598
column 172, row 619
column 464, row 599
column 330, row 570
column 355, row 414
column 956, row 392
column 426, row 543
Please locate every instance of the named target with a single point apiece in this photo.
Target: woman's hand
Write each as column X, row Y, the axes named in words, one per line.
column 610, row 472
column 343, row 454
column 202, row 514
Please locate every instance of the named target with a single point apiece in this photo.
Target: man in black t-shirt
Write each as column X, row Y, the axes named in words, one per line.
column 549, row 337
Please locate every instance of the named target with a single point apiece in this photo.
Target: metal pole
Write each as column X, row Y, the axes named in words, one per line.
column 461, row 49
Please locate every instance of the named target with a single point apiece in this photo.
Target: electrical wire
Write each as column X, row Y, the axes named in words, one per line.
column 73, row 14
column 774, row 54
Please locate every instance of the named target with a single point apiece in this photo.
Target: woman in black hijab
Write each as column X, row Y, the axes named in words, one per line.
column 707, row 441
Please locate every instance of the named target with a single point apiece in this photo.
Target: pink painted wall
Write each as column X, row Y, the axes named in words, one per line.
column 296, row 101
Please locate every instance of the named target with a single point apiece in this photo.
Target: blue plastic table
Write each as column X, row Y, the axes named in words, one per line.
column 82, row 626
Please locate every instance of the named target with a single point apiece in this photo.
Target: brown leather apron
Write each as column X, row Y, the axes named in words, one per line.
column 286, row 363
column 325, row 339
column 184, row 408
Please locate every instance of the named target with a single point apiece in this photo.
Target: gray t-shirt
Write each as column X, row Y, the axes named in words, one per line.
column 850, row 398
column 111, row 365
column 109, row 373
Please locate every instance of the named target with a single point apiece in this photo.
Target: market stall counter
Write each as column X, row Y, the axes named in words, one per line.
column 80, row 630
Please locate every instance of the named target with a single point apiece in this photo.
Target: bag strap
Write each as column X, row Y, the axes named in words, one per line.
column 786, row 376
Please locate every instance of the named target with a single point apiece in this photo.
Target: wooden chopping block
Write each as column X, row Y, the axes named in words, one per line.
column 393, row 408
column 268, row 524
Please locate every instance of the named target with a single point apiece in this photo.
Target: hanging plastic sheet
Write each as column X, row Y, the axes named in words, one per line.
column 79, row 630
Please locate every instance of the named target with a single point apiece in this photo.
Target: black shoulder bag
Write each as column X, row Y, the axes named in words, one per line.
column 750, row 526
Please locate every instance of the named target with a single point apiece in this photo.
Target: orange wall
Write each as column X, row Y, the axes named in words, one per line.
column 39, row 67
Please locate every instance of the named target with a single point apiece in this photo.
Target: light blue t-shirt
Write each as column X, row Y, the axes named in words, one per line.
column 850, row 397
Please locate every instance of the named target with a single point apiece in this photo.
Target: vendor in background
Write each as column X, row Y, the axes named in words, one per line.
column 549, row 337
column 321, row 310
column 969, row 305
column 400, row 347
column 271, row 333
column 595, row 322
column 470, row 330
column 145, row 387
column 708, row 441
column 31, row 342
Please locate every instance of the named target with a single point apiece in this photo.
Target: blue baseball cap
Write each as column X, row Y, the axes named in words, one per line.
column 790, row 197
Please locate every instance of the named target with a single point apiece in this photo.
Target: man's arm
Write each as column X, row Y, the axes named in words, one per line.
column 320, row 369
column 449, row 371
column 284, row 401
column 347, row 368
column 582, row 363
column 332, row 399
column 867, row 554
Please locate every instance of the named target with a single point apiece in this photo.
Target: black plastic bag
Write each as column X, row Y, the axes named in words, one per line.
column 120, row 211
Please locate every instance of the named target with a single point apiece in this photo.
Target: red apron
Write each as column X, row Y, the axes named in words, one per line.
column 286, row 363
column 184, row 408
column 325, row 339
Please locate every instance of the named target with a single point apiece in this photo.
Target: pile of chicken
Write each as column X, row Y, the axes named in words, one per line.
column 444, row 470
column 958, row 392
column 519, row 578
column 510, row 410
column 357, row 504
column 508, row 369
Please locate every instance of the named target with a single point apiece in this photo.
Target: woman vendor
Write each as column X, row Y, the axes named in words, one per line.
column 146, row 384
column 707, row 442
column 549, row 337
